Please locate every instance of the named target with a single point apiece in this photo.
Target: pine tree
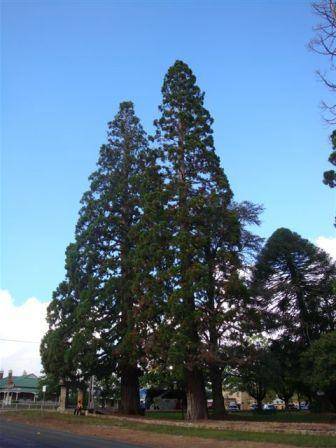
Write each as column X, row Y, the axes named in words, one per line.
column 203, row 229
column 114, row 238
column 294, row 287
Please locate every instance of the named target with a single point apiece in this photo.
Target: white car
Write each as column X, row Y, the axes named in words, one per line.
column 304, row 406
column 269, row 407
column 233, row 407
column 165, row 402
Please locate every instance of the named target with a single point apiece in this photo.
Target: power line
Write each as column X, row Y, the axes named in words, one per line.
column 18, row 340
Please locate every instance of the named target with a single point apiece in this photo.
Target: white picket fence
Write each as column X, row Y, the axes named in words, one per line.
column 38, row 405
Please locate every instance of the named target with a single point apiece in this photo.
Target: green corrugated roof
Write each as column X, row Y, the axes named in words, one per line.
column 25, row 381
column 25, row 389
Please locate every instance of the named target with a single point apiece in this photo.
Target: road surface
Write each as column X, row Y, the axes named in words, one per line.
column 20, row 435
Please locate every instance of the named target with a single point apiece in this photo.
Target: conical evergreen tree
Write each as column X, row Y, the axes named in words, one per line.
column 199, row 219
column 113, row 235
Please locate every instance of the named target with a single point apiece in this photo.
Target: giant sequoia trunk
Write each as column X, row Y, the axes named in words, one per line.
column 130, row 398
column 196, row 398
column 218, row 406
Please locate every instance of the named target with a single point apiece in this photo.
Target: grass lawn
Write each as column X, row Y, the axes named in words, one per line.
column 279, row 416
column 302, row 440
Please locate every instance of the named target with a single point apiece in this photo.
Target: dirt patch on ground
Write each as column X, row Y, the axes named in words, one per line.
column 147, row 439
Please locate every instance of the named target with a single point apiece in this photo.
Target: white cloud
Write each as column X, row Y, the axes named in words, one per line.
column 327, row 244
column 25, row 322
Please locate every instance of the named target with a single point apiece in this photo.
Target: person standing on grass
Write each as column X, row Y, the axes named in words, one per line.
column 78, row 408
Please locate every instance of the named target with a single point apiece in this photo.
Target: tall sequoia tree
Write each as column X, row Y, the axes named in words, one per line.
column 199, row 219
column 294, row 287
column 115, row 237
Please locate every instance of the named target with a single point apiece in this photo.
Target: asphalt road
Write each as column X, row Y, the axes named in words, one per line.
column 19, row 435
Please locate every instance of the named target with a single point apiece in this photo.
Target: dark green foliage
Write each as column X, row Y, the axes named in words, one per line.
column 57, row 348
column 319, row 363
column 287, row 369
column 229, row 315
column 116, row 239
column 253, row 371
column 293, row 283
column 52, row 384
column 154, row 290
column 101, row 315
column 204, row 237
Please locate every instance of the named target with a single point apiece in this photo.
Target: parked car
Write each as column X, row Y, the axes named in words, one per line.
column 233, row 407
column 254, row 407
column 303, row 406
column 167, row 401
column 269, row 407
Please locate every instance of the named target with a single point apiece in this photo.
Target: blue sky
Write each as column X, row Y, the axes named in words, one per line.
column 68, row 64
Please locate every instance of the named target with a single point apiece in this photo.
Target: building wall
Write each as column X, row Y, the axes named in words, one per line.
column 242, row 399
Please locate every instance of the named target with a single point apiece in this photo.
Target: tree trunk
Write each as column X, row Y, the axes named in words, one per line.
column 196, row 397
column 332, row 399
column 286, row 400
column 218, row 406
column 63, row 398
column 130, row 397
column 259, row 405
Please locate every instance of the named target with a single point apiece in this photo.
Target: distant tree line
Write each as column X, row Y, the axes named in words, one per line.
column 166, row 281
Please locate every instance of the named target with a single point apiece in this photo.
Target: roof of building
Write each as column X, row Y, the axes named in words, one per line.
column 26, row 382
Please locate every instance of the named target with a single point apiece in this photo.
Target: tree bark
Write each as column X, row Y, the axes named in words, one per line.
column 332, row 399
column 63, row 398
column 130, row 397
column 196, row 397
column 218, row 405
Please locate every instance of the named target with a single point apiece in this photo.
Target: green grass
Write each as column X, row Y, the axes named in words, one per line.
column 303, row 440
column 279, row 416
column 170, row 415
